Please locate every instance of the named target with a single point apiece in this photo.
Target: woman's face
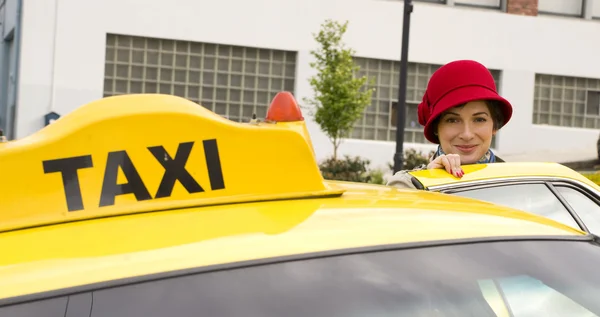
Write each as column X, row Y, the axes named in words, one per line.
column 467, row 131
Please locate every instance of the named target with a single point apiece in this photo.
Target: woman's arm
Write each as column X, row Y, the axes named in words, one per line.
column 404, row 180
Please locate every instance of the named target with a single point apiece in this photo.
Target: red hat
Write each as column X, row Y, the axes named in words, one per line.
column 454, row 84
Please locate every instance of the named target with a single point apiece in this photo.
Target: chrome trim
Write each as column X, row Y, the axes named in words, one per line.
column 516, row 179
column 565, row 203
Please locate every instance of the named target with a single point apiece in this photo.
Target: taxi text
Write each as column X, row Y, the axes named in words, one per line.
column 174, row 170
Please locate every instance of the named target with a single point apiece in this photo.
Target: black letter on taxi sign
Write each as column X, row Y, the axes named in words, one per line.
column 110, row 188
column 213, row 161
column 68, row 168
column 175, row 170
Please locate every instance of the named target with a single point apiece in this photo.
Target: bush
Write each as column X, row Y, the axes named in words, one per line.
column 356, row 169
column 376, row 177
column 413, row 159
column 346, row 169
column 350, row 169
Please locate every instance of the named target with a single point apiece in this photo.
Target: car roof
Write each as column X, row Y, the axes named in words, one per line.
column 262, row 197
column 478, row 173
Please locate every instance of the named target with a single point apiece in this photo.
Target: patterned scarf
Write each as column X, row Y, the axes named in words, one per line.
column 489, row 156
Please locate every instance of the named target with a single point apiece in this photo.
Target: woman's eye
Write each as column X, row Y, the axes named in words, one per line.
column 480, row 120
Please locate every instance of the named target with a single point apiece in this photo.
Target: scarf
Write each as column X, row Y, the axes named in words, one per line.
column 489, row 156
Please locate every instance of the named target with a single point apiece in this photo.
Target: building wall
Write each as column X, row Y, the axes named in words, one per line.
column 10, row 31
column 233, row 55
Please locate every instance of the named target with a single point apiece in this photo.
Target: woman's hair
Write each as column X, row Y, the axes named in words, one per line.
column 495, row 111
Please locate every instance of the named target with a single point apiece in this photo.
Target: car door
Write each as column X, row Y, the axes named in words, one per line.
column 534, row 187
column 538, row 197
column 565, row 201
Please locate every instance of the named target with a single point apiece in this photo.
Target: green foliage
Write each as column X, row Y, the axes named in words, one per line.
column 413, row 159
column 340, row 97
column 376, row 177
column 351, row 169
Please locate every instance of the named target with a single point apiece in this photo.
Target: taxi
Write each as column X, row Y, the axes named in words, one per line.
column 151, row 205
column 548, row 189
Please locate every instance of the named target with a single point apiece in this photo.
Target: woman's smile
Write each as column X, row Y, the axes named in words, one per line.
column 466, row 149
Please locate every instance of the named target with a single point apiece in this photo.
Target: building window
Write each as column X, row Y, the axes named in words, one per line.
column 494, row 4
column 595, row 9
column 379, row 119
column 432, row 1
column 232, row 81
column 561, row 7
column 413, row 131
column 567, row 101
column 592, row 104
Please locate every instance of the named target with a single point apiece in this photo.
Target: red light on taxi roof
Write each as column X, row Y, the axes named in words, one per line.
column 284, row 108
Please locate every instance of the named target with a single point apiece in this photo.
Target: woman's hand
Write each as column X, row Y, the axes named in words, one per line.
column 449, row 162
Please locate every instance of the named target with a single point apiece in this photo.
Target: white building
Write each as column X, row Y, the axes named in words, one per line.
column 233, row 55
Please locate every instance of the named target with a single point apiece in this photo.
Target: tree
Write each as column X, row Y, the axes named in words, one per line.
column 340, row 97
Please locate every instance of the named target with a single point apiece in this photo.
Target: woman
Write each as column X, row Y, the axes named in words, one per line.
column 461, row 111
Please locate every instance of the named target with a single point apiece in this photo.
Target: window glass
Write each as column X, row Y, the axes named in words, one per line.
column 586, row 209
column 528, row 296
column 571, row 7
column 596, row 8
column 451, row 280
column 533, row 198
column 44, row 308
column 483, row 3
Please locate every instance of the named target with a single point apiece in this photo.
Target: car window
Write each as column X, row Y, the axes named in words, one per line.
column 533, row 198
column 520, row 292
column 55, row 307
column 426, row 281
column 584, row 206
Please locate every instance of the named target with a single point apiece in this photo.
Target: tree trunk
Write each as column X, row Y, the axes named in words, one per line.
column 335, row 148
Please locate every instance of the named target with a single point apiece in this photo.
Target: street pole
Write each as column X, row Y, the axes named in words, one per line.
column 401, row 111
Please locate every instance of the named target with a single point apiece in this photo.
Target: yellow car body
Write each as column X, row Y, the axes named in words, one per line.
column 480, row 173
column 137, row 189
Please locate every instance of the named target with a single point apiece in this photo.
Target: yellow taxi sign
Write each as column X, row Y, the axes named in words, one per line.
column 147, row 152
